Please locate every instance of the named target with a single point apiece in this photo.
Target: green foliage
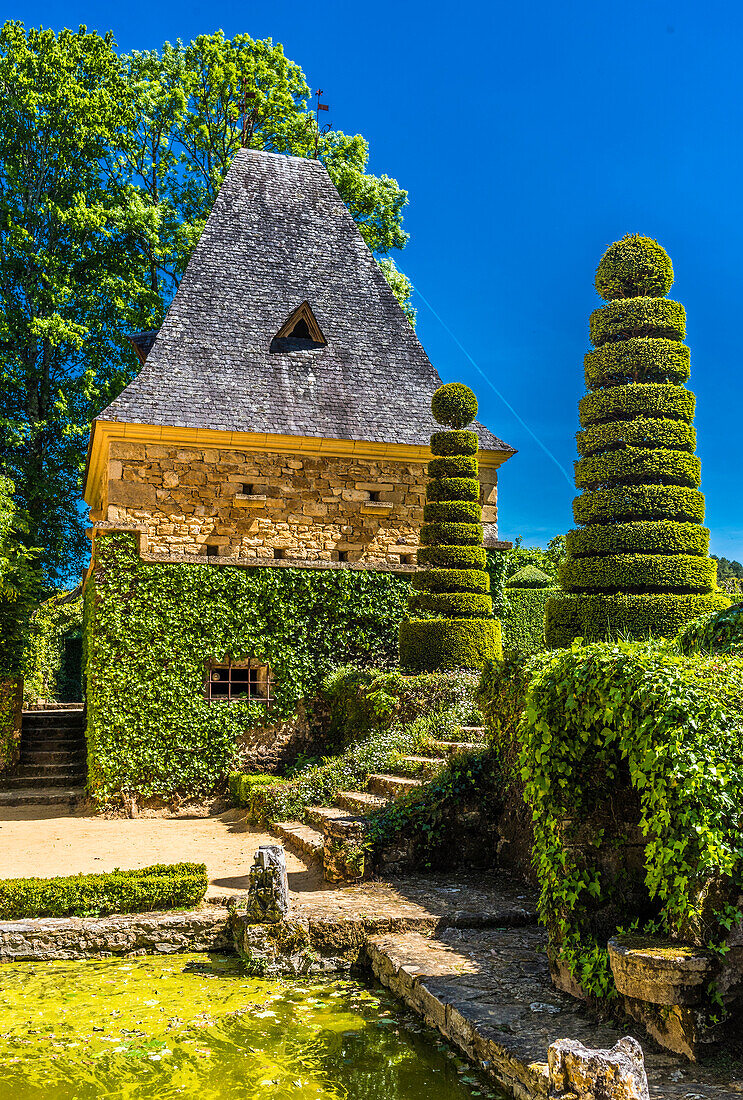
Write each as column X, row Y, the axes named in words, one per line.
column 55, row 626
column 496, row 566
column 428, row 644
column 662, row 536
column 174, row 886
column 10, row 722
column 400, row 286
column 642, row 399
column 628, row 317
column 624, row 615
column 453, row 605
column 452, row 511
column 634, row 267
column 150, row 628
column 454, row 443
column 244, row 786
column 646, row 572
column 109, row 167
column 636, row 466
column 529, row 576
column 453, row 465
column 642, row 432
column 523, row 622
column 452, row 557
column 657, row 739
column 451, row 534
column 454, row 488
column 716, row 632
column 639, row 502
column 379, row 717
column 19, row 583
column 454, row 405
column 451, row 580
column 640, row 359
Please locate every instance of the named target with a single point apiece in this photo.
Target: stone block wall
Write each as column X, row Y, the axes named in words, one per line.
column 262, row 506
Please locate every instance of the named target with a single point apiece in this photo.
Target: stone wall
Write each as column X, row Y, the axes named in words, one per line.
column 260, row 506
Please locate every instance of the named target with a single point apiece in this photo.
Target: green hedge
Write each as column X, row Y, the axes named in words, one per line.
column 452, row 511
column 429, row 644
column 452, row 557
column 628, row 317
column 529, row 577
column 11, row 702
column 715, row 632
column 150, row 628
column 644, row 399
column 640, row 359
column 523, row 622
column 636, row 266
column 642, row 432
column 451, row 534
column 244, row 786
column 175, row 886
column 451, row 580
column 629, row 502
column 454, row 443
column 635, row 465
column 643, row 572
column 453, row 488
column 452, row 605
column 624, row 615
column 453, row 466
column 660, row 536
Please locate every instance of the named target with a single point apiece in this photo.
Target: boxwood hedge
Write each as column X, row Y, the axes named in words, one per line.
column 638, row 563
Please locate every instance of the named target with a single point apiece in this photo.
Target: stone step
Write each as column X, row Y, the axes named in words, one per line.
column 52, row 756
column 451, row 748
column 41, row 796
column 424, row 766
column 317, row 817
column 393, row 786
column 50, row 771
column 300, row 838
column 474, row 733
column 52, row 719
column 57, row 743
column 360, row 802
column 65, row 777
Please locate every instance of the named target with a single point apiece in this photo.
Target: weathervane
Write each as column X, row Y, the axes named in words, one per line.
column 248, row 117
column 320, row 132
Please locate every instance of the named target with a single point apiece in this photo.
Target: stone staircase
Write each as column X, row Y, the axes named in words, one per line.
column 52, row 765
column 328, row 833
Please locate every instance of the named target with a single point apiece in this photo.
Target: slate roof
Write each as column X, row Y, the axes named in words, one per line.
column 278, row 235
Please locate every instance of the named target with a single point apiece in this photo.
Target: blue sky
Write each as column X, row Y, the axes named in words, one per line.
column 529, row 137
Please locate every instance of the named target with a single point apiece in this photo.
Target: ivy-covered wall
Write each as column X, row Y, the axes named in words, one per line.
column 11, row 694
column 149, row 629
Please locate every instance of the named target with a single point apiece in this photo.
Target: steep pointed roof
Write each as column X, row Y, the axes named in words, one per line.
column 280, row 238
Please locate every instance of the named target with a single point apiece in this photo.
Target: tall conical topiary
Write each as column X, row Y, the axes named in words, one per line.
column 453, row 625
column 637, row 564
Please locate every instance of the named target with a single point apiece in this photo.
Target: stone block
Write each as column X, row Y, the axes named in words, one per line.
column 660, row 971
column 578, row 1073
column 131, row 493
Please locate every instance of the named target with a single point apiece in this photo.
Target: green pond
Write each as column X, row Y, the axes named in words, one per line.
column 198, row 1026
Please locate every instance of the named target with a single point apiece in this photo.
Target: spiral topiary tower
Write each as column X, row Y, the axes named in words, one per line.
column 451, row 592
column 637, row 564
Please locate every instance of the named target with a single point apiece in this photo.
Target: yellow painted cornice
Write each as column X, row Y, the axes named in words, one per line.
column 106, row 432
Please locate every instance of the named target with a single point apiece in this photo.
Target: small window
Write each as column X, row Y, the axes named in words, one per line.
column 246, row 681
column 248, row 489
column 279, row 555
column 212, row 551
column 374, row 496
column 407, row 559
column 341, row 555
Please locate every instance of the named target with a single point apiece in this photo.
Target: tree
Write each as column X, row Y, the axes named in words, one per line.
column 637, row 564
column 457, row 629
column 19, row 583
column 108, row 170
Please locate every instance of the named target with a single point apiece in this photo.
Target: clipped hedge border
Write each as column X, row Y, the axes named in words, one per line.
column 645, row 399
column 430, row 644
column 452, row 557
column 163, row 886
column 453, row 605
column 627, row 317
column 453, row 488
column 630, row 502
column 634, row 465
column 451, row 580
column 674, row 435
column 455, row 442
column 649, row 536
column 523, row 623
column 598, row 617
column 451, row 534
column 452, row 511
column 453, row 466
column 620, row 572
column 640, row 359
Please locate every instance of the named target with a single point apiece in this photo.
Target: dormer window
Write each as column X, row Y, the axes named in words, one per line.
column 300, row 332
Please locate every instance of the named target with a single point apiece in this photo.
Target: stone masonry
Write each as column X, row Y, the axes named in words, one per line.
column 260, row 506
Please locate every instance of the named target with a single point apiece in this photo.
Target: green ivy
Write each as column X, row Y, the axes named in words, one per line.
column 45, row 673
column 150, row 628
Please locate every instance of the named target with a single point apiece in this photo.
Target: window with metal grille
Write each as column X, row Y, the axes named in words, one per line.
column 246, row 680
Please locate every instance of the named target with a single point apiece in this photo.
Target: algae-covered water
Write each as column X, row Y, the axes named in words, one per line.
column 198, row 1026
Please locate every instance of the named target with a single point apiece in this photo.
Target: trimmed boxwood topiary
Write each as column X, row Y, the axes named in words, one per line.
column 639, row 564
column 456, row 628
column 529, row 577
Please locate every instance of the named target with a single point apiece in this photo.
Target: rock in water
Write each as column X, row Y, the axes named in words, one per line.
column 268, row 897
column 583, row 1074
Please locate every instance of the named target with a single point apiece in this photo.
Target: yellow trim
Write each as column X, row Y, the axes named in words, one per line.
column 105, row 432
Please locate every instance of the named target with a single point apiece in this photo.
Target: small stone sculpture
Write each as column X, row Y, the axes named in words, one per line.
column 582, row 1074
column 268, row 896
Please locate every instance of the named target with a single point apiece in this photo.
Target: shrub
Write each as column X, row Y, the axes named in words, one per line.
column 715, row 632
column 529, row 577
column 454, row 443
column 452, row 511
column 459, row 630
column 523, row 621
column 175, row 886
column 639, row 564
